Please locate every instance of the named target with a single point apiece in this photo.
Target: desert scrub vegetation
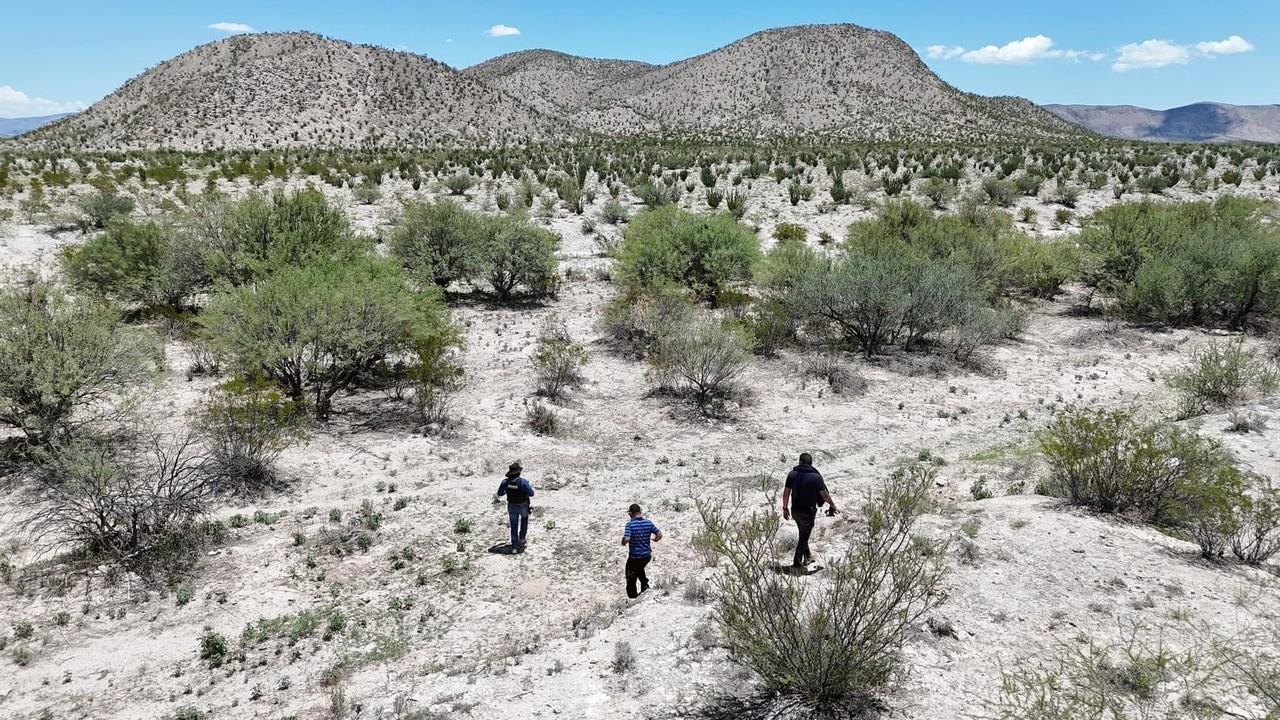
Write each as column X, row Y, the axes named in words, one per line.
column 327, row 326
column 1111, row 462
column 140, row 502
column 1143, row 675
column 557, row 360
column 1186, row 263
column 908, row 279
column 700, row 358
column 68, row 363
column 247, row 424
column 442, row 243
column 1221, row 375
column 141, row 263
column 826, row 648
column 704, row 253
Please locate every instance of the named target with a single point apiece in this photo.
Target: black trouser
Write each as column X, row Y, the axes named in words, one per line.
column 804, row 523
column 635, row 571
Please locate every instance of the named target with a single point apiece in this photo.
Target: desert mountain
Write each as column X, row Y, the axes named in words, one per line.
column 16, row 126
column 1200, row 122
column 296, row 89
column 830, row 81
column 834, row 82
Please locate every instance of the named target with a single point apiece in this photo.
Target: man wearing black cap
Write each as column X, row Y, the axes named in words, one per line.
column 804, row 493
column 518, row 491
column 636, row 537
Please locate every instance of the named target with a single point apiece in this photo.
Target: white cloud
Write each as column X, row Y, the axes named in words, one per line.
column 230, row 27
column 945, row 52
column 501, row 30
column 448, row 41
column 15, row 103
column 1019, row 52
column 1150, row 54
column 1233, row 45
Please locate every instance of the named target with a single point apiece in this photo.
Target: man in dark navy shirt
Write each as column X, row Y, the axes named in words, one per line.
column 518, row 491
column 804, row 493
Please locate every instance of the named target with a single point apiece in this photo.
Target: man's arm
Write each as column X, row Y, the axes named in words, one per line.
column 657, row 534
column 502, row 487
column 527, row 487
column 626, row 534
column 786, row 503
column 831, row 504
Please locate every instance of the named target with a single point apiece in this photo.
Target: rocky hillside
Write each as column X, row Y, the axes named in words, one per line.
column 298, row 89
column 829, row 81
column 832, row 82
column 1200, row 122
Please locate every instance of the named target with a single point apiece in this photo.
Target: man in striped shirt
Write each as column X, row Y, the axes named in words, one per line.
column 636, row 537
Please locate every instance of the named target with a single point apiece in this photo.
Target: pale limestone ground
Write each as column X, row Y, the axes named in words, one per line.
column 540, row 630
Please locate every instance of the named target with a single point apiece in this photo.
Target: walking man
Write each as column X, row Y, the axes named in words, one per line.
column 518, row 491
column 804, row 493
column 636, row 537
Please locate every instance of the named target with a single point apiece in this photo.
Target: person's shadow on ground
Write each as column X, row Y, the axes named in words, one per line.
column 796, row 571
column 503, row 549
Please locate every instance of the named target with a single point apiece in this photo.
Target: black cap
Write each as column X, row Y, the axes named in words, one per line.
column 514, row 469
column 634, row 509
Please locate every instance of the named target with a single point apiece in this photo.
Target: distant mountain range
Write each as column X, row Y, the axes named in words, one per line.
column 831, row 82
column 16, row 126
column 1201, row 122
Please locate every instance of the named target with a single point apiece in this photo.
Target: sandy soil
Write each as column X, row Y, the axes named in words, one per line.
column 461, row 632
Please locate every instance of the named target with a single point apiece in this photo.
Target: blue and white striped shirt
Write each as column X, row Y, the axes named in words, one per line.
column 637, row 534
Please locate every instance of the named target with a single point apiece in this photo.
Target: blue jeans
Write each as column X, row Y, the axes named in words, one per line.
column 519, row 515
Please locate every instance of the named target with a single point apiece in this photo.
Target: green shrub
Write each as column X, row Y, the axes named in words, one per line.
column 832, row 645
column 1256, row 525
column 790, row 233
column 460, row 183
column 518, row 255
column 1108, row 461
column 212, row 648
column 247, row 425
column 557, row 360
column 324, row 327
column 67, row 363
column 939, row 191
column 146, row 263
column 1220, row 376
column 101, row 208
column 1188, row 263
column 439, row 243
column 999, row 192
column 701, row 357
column 704, row 253
column 248, row 239
column 635, row 318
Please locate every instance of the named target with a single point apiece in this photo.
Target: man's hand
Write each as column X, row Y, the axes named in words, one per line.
column 831, row 510
column 786, row 514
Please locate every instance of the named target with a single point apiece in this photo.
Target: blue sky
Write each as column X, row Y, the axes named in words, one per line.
column 60, row 54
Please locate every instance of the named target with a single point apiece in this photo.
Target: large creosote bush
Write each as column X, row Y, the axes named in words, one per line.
column 247, row 424
column 517, row 255
column 68, row 362
column 323, row 327
column 248, row 239
column 438, row 243
column 1187, row 263
column 706, row 253
column 148, row 263
column 1109, row 461
column 828, row 643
